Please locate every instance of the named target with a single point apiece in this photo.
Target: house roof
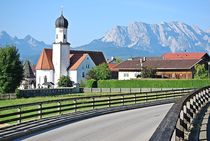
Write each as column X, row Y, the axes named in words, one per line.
column 184, row 55
column 28, row 72
column 158, row 64
column 76, row 58
column 45, row 60
column 112, row 67
column 96, row 56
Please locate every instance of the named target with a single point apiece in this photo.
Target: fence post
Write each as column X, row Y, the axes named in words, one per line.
column 109, row 101
column 59, row 108
column 19, row 115
column 75, row 105
column 40, row 110
column 123, row 100
column 146, row 97
column 93, row 103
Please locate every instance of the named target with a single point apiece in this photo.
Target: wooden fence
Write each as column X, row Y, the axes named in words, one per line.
column 8, row 96
column 27, row 112
column 180, row 117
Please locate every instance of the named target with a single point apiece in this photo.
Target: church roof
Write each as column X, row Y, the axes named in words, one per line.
column 45, row 60
column 28, row 72
column 61, row 22
column 76, row 58
column 96, row 56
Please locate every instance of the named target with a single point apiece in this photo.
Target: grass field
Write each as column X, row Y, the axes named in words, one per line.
column 4, row 103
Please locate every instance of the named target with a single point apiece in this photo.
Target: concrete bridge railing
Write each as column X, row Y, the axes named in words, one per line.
column 179, row 119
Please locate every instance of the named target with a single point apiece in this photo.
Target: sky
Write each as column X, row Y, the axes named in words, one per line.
column 91, row 19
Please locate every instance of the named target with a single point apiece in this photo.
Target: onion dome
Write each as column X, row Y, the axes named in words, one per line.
column 61, row 22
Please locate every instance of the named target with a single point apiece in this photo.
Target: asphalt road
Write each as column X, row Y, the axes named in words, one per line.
column 133, row 125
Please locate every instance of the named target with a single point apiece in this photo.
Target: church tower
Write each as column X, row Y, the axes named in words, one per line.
column 61, row 49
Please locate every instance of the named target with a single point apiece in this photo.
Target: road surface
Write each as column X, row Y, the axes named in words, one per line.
column 132, row 125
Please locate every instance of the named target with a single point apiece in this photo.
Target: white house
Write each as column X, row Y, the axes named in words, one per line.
column 60, row 60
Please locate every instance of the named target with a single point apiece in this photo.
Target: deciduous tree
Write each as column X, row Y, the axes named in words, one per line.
column 100, row 72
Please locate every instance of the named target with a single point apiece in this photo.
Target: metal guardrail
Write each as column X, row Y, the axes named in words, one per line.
column 180, row 117
column 27, row 112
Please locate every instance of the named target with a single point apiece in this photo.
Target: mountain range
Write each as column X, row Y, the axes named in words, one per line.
column 136, row 39
column 28, row 47
column 142, row 39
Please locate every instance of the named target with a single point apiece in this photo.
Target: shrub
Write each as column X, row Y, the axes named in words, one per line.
column 64, row 81
column 91, row 83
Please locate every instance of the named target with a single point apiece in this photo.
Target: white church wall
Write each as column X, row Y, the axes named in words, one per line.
column 40, row 74
column 73, row 75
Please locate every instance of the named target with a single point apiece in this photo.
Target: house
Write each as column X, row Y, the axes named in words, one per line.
column 172, row 69
column 112, row 63
column 61, row 60
column 29, row 79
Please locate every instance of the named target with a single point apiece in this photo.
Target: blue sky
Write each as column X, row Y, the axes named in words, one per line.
column 91, row 19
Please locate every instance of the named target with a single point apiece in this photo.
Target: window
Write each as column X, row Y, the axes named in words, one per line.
column 126, row 75
column 64, row 36
column 56, row 36
column 83, row 74
column 45, row 79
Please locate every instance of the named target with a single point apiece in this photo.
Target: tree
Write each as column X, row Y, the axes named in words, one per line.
column 118, row 60
column 148, row 72
column 100, row 72
column 64, row 81
column 200, row 72
column 11, row 69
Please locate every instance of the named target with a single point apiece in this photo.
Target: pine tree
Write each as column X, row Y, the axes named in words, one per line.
column 11, row 69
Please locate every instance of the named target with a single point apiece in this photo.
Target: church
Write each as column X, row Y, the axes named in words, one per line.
column 61, row 60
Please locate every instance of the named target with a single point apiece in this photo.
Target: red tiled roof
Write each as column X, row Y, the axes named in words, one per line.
column 45, row 60
column 96, row 56
column 183, row 55
column 76, row 60
column 76, row 57
column 112, row 67
column 158, row 64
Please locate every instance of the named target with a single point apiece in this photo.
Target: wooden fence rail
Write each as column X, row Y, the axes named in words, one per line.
column 32, row 111
column 179, row 119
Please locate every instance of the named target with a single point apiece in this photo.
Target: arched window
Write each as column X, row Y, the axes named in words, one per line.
column 45, row 79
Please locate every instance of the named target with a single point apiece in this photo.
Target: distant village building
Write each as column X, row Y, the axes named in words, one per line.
column 29, row 79
column 172, row 65
column 60, row 60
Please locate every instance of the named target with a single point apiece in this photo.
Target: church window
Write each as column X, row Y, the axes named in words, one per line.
column 56, row 36
column 45, row 79
column 64, row 36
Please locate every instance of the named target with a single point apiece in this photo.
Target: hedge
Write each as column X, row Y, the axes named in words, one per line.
column 153, row 83
column 91, row 83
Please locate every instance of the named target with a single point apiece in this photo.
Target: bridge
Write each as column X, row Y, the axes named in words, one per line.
column 136, row 116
